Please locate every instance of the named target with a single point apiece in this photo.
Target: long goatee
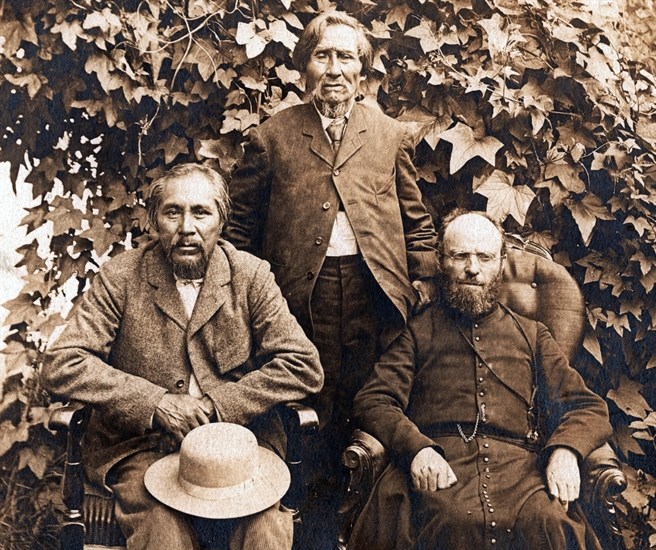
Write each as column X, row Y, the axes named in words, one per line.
column 337, row 110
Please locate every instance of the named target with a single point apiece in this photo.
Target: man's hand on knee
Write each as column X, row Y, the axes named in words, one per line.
column 563, row 475
column 430, row 472
column 178, row 414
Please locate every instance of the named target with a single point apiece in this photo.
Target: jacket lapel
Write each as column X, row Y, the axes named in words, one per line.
column 213, row 293
column 319, row 144
column 351, row 141
column 160, row 277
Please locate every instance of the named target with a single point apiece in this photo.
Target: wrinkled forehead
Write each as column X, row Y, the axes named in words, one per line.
column 472, row 233
column 338, row 38
column 194, row 188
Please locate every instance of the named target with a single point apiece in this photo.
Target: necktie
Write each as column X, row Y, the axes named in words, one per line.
column 335, row 130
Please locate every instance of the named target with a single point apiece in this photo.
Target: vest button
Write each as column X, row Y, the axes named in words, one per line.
column 325, row 205
column 179, row 384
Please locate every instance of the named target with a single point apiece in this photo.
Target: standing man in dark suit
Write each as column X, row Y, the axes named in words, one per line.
column 177, row 333
column 327, row 193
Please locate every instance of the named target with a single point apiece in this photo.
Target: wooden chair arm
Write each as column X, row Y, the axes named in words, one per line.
column 366, row 459
column 603, row 482
column 74, row 419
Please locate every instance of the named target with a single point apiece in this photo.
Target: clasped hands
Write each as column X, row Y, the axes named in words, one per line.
column 429, row 471
column 178, row 414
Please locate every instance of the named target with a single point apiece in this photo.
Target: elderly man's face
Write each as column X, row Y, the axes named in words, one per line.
column 472, row 266
column 334, row 70
column 189, row 224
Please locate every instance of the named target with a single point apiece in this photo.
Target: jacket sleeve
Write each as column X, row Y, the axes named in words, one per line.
column 289, row 363
column 250, row 188
column 77, row 365
column 420, row 235
column 379, row 407
column 577, row 416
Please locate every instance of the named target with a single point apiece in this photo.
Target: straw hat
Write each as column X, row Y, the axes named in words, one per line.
column 219, row 473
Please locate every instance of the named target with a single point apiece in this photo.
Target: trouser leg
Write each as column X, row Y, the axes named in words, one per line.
column 144, row 521
column 348, row 311
column 271, row 529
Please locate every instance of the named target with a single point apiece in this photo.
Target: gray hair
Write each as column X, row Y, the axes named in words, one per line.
column 314, row 31
column 215, row 179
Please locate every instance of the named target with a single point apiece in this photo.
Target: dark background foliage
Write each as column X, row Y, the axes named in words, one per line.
column 539, row 111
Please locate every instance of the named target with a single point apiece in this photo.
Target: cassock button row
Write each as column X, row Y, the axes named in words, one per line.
column 475, row 325
column 481, row 393
column 325, row 205
column 477, row 338
column 480, row 378
column 491, row 510
column 485, row 485
column 486, row 445
column 493, row 524
column 179, row 383
column 493, row 541
column 486, row 459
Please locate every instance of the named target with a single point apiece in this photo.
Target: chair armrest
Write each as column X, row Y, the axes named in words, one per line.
column 300, row 422
column 366, row 459
column 603, row 482
column 73, row 419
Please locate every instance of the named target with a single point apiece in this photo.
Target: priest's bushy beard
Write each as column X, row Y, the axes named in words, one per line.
column 472, row 302
column 191, row 268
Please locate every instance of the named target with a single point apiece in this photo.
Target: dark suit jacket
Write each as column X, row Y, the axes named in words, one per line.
column 128, row 341
column 287, row 191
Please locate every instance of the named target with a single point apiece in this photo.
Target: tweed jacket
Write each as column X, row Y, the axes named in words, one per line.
column 128, row 342
column 288, row 189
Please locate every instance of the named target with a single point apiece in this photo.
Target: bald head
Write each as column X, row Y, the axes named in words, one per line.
column 472, row 253
column 472, row 232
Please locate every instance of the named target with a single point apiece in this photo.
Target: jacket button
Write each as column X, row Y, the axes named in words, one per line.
column 534, row 285
column 318, row 241
column 179, row 384
column 310, row 275
column 325, row 205
column 335, row 172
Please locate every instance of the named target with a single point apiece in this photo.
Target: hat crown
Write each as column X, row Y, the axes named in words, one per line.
column 218, row 457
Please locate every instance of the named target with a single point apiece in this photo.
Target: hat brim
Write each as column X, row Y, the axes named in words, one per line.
column 271, row 483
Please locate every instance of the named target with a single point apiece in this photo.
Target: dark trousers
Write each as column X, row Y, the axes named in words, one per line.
column 349, row 310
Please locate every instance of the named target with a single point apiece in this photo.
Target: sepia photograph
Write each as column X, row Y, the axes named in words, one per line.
column 327, row 275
